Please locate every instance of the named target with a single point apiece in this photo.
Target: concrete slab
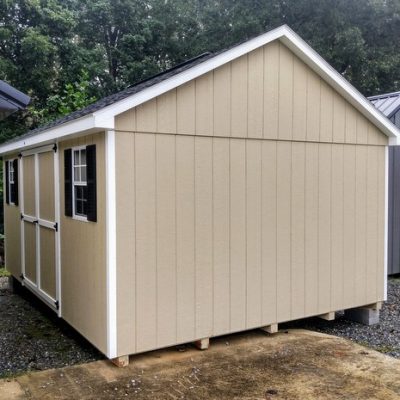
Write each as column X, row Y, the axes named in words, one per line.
column 294, row 365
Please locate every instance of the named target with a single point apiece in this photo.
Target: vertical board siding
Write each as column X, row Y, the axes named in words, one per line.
column 146, row 242
column 232, row 234
column 185, row 238
column 235, row 226
column 166, row 239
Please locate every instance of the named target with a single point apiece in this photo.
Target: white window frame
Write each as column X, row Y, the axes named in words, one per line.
column 10, row 181
column 76, row 216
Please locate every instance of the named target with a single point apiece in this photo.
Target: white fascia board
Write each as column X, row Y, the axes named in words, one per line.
column 83, row 125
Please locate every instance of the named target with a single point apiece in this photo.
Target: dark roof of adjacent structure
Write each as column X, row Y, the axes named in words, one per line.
column 388, row 103
column 129, row 91
column 11, row 100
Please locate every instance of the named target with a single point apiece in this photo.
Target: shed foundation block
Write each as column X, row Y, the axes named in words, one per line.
column 202, row 344
column 273, row 328
column 121, row 362
column 330, row 316
column 363, row 315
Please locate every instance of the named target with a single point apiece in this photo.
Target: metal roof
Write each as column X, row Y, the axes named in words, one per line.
column 11, row 100
column 388, row 103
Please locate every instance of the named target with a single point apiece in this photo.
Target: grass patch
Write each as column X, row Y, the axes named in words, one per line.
column 4, row 272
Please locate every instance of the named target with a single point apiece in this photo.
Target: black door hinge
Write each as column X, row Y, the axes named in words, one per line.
column 22, row 277
column 55, row 148
column 22, row 217
column 20, row 155
column 56, row 226
column 57, row 304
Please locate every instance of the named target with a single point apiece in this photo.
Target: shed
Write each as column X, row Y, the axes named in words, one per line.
column 235, row 191
column 389, row 105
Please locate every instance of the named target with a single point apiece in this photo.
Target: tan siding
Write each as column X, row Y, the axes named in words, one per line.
column 228, row 231
column 186, row 108
column 222, row 101
column 46, row 186
column 47, row 261
column 166, row 240
column 283, row 230
column 205, row 105
column 126, row 260
column 285, row 93
column 83, row 246
column 238, row 234
column 337, row 189
column 271, row 90
column 268, row 226
column 221, row 224
column 146, row 240
column 311, row 230
column 253, row 234
column 185, row 235
column 324, row 228
column 297, row 229
column 239, row 79
column 29, row 185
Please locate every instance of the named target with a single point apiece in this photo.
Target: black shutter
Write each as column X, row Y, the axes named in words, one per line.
column 15, row 186
column 91, row 183
column 6, row 192
column 68, row 182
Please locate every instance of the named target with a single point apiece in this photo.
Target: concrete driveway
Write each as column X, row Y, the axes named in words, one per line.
column 297, row 364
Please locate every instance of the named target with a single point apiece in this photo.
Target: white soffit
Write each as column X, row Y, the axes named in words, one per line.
column 103, row 119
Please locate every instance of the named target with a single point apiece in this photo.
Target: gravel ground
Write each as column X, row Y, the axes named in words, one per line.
column 33, row 338
column 384, row 337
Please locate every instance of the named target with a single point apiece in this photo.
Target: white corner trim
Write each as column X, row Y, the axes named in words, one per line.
column 111, row 251
column 103, row 119
column 385, row 250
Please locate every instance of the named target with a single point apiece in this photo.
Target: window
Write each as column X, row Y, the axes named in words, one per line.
column 12, row 182
column 79, row 182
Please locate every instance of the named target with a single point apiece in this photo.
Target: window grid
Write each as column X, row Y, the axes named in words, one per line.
column 79, row 182
column 11, row 182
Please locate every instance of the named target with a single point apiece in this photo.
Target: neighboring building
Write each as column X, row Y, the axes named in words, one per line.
column 11, row 100
column 389, row 105
column 235, row 191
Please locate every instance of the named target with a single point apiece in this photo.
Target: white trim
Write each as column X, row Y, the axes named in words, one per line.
column 76, row 216
column 40, row 293
column 385, row 251
column 22, row 208
column 36, row 150
column 103, row 119
column 58, row 231
column 37, row 227
column 111, row 246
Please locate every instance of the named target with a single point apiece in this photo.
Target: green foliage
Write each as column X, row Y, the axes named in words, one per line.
column 65, row 54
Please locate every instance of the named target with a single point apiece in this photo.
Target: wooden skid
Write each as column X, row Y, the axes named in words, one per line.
column 122, row 361
column 330, row 316
column 202, row 344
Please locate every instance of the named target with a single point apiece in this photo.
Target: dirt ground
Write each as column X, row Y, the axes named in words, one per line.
column 295, row 364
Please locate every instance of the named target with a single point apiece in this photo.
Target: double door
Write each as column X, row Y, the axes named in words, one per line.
column 39, row 224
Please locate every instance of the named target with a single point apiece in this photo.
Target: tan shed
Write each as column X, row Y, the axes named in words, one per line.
column 234, row 191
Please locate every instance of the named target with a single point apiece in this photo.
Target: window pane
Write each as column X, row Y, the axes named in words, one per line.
column 77, row 175
column 76, row 157
column 83, row 174
column 83, row 157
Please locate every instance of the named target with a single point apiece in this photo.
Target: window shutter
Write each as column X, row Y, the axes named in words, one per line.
column 7, row 184
column 68, row 182
column 15, row 186
column 91, row 183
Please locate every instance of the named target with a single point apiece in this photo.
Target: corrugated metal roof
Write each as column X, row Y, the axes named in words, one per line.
column 388, row 103
column 11, row 100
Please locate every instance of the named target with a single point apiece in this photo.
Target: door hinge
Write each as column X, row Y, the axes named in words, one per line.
column 20, row 155
column 22, row 217
column 57, row 304
column 22, row 277
column 55, row 148
column 56, row 226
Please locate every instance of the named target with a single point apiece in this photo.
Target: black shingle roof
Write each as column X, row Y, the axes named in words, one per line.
column 106, row 101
